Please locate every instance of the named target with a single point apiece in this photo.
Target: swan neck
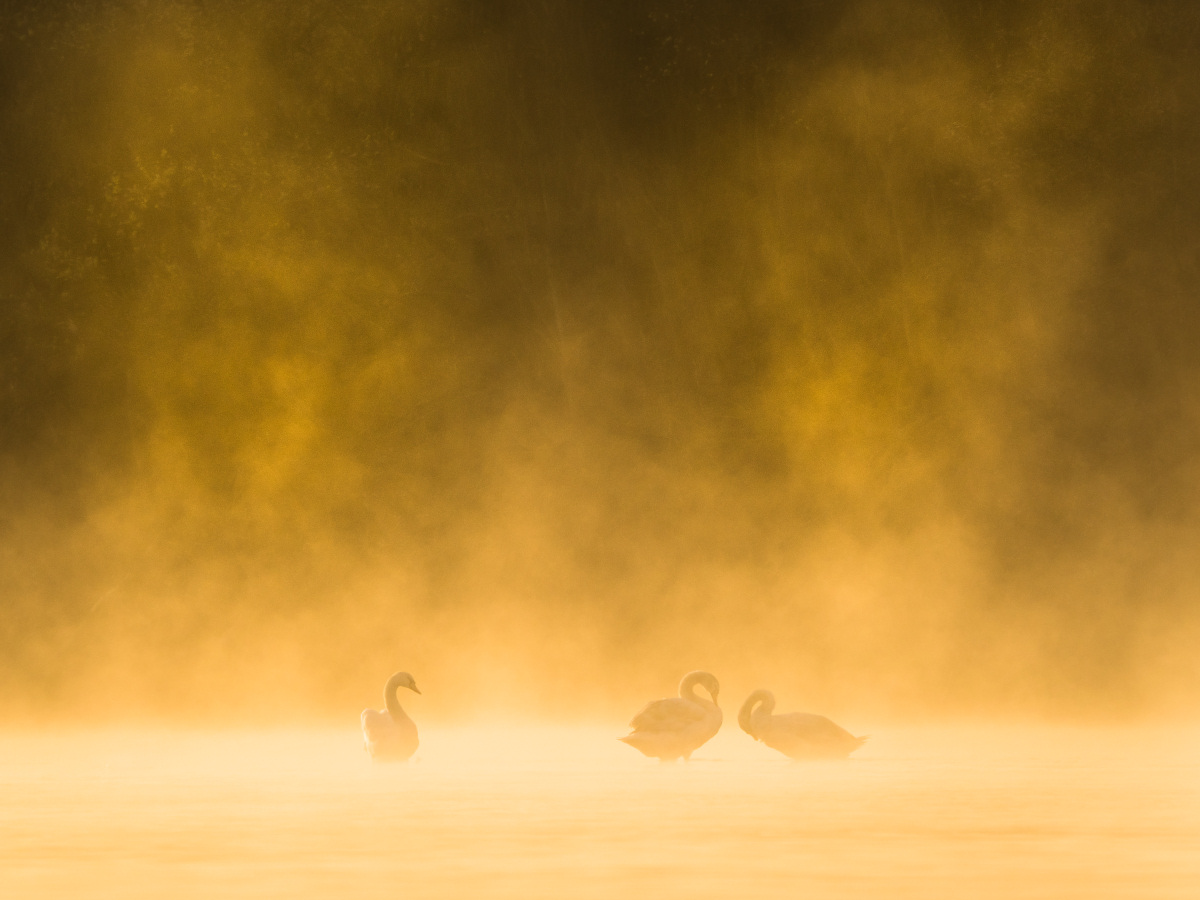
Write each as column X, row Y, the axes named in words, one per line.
column 389, row 698
column 748, row 713
column 687, row 687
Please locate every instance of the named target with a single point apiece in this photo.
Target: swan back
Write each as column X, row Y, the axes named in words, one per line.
column 807, row 736
column 671, row 714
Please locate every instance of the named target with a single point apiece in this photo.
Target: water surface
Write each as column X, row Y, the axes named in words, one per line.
column 551, row 813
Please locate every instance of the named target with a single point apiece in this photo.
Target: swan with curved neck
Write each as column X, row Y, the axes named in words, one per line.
column 798, row 735
column 389, row 733
column 676, row 726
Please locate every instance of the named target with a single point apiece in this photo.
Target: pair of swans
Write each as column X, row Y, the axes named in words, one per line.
column 677, row 726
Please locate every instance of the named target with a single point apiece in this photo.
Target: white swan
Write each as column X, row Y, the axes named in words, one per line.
column 676, row 726
column 389, row 733
column 798, row 735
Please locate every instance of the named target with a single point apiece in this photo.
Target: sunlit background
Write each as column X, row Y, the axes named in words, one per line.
column 552, row 349
column 549, row 350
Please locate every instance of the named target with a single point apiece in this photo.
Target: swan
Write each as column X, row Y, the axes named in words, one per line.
column 676, row 726
column 798, row 735
column 389, row 733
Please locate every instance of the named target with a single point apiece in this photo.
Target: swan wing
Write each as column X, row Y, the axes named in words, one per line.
column 377, row 728
column 387, row 738
column 672, row 714
column 813, row 727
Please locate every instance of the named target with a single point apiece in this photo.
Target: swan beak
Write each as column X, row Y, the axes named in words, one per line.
column 416, row 689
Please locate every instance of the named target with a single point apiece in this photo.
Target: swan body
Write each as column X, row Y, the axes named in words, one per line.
column 798, row 735
column 389, row 733
column 677, row 726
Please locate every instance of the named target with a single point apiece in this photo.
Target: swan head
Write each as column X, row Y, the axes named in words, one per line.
column 403, row 680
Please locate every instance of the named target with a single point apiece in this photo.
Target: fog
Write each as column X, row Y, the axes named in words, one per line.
column 549, row 350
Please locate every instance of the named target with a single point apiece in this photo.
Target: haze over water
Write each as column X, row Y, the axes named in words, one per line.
column 932, row 812
column 550, row 349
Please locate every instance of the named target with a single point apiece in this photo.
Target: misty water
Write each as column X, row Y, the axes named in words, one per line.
column 534, row 812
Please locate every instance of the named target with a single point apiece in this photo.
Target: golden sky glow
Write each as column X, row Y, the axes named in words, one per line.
column 552, row 350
